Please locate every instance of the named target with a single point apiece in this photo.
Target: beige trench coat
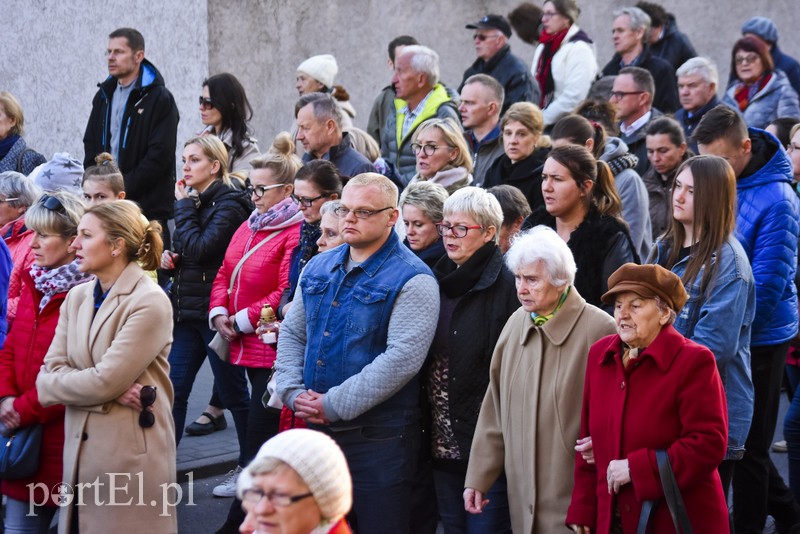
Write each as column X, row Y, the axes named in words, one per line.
column 531, row 415
column 92, row 361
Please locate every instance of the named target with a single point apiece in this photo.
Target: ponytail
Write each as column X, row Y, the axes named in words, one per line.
column 604, row 194
column 149, row 253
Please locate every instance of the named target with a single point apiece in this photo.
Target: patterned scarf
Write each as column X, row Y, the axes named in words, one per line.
column 309, row 233
column 539, row 320
column 274, row 218
column 743, row 93
column 50, row 282
column 619, row 164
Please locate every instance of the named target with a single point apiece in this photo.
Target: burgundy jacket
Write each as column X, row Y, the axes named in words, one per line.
column 671, row 398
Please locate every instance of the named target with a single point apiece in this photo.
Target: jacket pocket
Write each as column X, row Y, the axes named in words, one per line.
column 368, row 309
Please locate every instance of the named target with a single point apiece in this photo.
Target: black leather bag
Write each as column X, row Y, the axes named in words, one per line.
column 672, row 495
column 20, row 453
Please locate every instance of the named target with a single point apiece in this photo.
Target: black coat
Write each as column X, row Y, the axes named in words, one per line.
column 477, row 320
column 525, row 175
column 514, row 75
column 148, row 140
column 674, row 47
column 666, row 97
column 201, row 237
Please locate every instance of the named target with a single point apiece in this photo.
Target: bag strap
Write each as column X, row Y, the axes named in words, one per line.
column 246, row 256
column 21, row 156
column 672, row 494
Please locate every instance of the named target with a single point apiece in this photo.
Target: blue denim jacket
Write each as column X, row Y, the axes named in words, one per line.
column 722, row 319
column 347, row 323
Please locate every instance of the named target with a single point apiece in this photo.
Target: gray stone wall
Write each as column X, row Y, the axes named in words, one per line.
column 53, row 51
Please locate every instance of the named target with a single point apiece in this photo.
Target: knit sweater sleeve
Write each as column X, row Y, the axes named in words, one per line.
column 411, row 329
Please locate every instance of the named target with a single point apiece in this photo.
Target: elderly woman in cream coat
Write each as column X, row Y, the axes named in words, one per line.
column 530, row 417
column 112, row 340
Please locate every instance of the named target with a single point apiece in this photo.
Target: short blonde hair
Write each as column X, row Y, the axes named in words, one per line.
column 123, row 219
column 453, row 136
column 527, row 114
column 386, row 186
column 426, row 196
column 62, row 221
column 479, row 204
column 13, row 110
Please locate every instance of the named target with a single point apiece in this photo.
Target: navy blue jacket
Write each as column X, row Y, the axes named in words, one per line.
column 511, row 72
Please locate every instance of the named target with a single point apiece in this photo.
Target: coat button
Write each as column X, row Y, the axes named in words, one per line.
column 320, row 363
column 326, row 333
column 622, row 385
column 84, row 436
column 335, row 303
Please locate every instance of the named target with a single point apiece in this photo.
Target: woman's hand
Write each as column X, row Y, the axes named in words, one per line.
column 132, row 398
column 580, row 529
column 617, row 475
column 474, row 501
column 586, row 449
column 223, row 325
column 181, row 191
column 8, row 415
column 168, row 259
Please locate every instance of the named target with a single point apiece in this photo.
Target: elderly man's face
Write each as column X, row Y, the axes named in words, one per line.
column 638, row 319
column 488, row 43
column 535, row 290
column 624, row 38
column 407, row 82
column 695, row 92
column 317, row 136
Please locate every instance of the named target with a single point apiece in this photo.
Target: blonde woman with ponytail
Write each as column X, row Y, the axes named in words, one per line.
column 583, row 207
column 108, row 366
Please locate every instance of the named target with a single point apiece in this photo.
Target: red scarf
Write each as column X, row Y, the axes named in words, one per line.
column 743, row 92
column 551, row 42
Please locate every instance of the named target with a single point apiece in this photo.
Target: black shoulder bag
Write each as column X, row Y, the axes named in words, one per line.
column 672, row 494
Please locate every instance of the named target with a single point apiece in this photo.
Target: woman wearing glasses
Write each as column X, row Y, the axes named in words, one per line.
column 209, row 207
column 53, row 222
column 759, row 91
column 225, row 111
column 255, row 272
column 112, row 340
column 521, row 165
column 315, row 183
column 477, row 297
column 442, row 154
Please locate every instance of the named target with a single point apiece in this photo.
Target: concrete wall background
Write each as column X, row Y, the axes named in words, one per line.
column 53, row 51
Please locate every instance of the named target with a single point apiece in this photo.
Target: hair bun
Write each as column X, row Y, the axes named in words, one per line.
column 283, row 144
column 104, row 158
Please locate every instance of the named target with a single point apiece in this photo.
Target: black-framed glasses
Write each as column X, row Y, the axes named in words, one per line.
column 428, row 150
column 748, row 59
column 619, row 95
column 12, row 199
column 458, row 230
column 259, row 190
column 205, row 103
column 51, row 203
column 343, row 212
column 147, row 396
column 549, row 14
column 306, row 202
column 253, row 496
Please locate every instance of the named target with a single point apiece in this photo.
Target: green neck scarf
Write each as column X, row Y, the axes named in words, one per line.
column 539, row 320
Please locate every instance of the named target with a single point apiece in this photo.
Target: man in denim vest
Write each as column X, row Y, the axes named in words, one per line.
column 350, row 350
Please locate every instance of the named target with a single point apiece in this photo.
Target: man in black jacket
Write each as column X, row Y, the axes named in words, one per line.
column 495, row 59
column 664, row 38
column 134, row 117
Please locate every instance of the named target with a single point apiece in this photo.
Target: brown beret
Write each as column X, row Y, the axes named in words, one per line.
column 648, row 281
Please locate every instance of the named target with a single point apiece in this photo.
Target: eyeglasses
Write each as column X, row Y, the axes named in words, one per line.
column 343, row 212
column 147, row 396
column 205, row 103
column 428, row 150
column 12, row 199
column 306, row 202
column 259, row 190
column 51, row 203
column 791, row 147
column 482, row 36
column 458, row 230
column 619, row 95
column 746, row 60
column 549, row 14
column 253, row 496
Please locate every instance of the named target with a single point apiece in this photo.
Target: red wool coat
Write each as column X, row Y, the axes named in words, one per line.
column 262, row 279
column 20, row 360
column 671, row 398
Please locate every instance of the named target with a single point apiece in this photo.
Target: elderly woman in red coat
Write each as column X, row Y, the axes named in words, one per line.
column 649, row 388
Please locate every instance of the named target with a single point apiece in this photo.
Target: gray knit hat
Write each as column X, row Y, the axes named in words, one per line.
column 763, row 27
column 317, row 459
column 322, row 68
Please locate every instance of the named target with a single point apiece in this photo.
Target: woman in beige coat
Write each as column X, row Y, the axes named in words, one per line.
column 112, row 341
column 531, row 414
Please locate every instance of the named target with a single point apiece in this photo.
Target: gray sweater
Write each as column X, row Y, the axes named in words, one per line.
column 411, row 329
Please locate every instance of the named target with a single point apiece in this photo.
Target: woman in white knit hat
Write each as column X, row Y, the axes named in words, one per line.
column 298, row 483
column 316, row 75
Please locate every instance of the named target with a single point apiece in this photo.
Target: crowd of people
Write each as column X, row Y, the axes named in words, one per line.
column 551, row 298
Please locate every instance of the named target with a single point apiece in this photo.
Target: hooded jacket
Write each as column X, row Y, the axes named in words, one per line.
column 147, row 140
column 767, row 225
column 673, row 47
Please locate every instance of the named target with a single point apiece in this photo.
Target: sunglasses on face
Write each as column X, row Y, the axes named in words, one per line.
column 147, row 396
column 205, row 103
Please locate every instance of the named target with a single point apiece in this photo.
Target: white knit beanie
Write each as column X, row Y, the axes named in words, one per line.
column 62, row 173
column 322, row 68
column 318, row 460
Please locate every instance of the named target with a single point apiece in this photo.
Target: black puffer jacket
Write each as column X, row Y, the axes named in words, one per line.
column 201, row 238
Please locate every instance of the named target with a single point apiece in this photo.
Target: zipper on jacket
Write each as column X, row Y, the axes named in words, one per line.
column 124, row 141
column 107, row 118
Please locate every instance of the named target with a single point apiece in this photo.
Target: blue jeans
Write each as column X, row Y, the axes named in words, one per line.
column 382, row 462
column 19, row 522
column 494, row 519
column 190, row 341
